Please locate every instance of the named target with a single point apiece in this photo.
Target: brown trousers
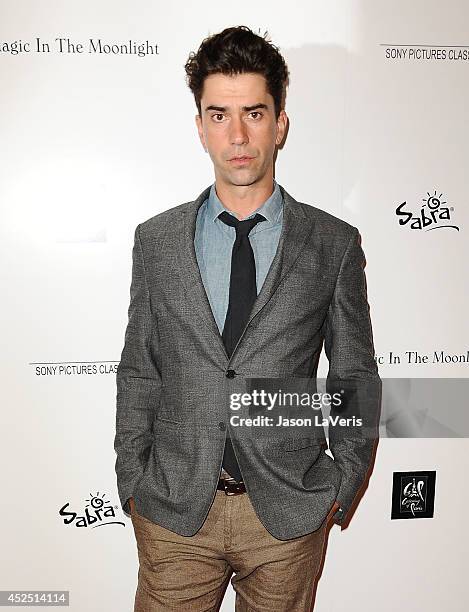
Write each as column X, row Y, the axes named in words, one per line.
column 179, row 573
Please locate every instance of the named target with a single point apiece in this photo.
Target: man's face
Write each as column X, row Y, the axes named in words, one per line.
column 238, row 127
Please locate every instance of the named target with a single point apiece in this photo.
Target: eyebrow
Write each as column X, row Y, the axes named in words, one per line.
column 222, row 109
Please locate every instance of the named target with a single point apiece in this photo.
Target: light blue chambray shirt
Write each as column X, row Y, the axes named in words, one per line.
column 213, row 242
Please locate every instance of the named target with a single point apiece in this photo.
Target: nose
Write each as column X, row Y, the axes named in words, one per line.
column 238, row 131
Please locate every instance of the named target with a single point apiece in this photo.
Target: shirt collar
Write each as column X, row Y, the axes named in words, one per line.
column 270, row 209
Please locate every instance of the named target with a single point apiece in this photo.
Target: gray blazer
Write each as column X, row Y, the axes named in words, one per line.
column 175, row 378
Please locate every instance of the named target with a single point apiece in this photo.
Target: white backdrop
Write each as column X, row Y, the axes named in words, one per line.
column 94, row 143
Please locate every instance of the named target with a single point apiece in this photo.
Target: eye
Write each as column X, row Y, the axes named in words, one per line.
column 217, row 115
column 258, row 113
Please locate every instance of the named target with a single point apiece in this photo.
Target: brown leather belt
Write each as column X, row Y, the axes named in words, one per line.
column 231, row 487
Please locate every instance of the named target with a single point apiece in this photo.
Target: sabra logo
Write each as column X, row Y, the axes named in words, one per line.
column 413, row 496
column 97, row 513
column 432, row 215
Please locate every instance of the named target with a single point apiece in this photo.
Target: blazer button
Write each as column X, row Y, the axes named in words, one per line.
column 221, row 425
column 230, row 373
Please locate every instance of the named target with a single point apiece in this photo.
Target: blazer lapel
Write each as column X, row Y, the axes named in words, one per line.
column 297, row 226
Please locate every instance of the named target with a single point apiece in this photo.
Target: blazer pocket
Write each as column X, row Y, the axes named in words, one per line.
column 164, row 423
column 294, row 444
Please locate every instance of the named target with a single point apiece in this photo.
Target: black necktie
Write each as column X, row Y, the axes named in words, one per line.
column 243, row 292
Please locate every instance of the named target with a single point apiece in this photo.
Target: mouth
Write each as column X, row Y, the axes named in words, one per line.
column 241, row 160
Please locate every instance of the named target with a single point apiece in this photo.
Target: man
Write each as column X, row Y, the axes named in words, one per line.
column 242, row 283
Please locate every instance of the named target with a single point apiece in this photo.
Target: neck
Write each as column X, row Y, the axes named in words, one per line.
column 244, row 199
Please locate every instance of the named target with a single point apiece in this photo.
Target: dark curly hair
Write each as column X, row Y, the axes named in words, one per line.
column 238, row 50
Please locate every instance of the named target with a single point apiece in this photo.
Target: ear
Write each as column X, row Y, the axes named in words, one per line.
column 200, row 129
column 281, row 126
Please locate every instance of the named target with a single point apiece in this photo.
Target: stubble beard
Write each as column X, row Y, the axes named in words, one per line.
column 242, row 176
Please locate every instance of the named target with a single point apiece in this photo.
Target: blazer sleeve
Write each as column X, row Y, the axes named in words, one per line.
column 138, row 383
column 348, row 343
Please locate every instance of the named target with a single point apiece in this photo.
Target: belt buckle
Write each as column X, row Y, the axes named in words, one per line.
column 226, row 483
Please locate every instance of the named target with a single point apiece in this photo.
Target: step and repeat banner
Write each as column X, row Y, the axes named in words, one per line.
column 98, row 134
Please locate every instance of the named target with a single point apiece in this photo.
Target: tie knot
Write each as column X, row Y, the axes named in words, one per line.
column 242, row 227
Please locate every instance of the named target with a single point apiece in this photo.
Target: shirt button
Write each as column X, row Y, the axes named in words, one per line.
column 230, row 373
column 221, row 425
